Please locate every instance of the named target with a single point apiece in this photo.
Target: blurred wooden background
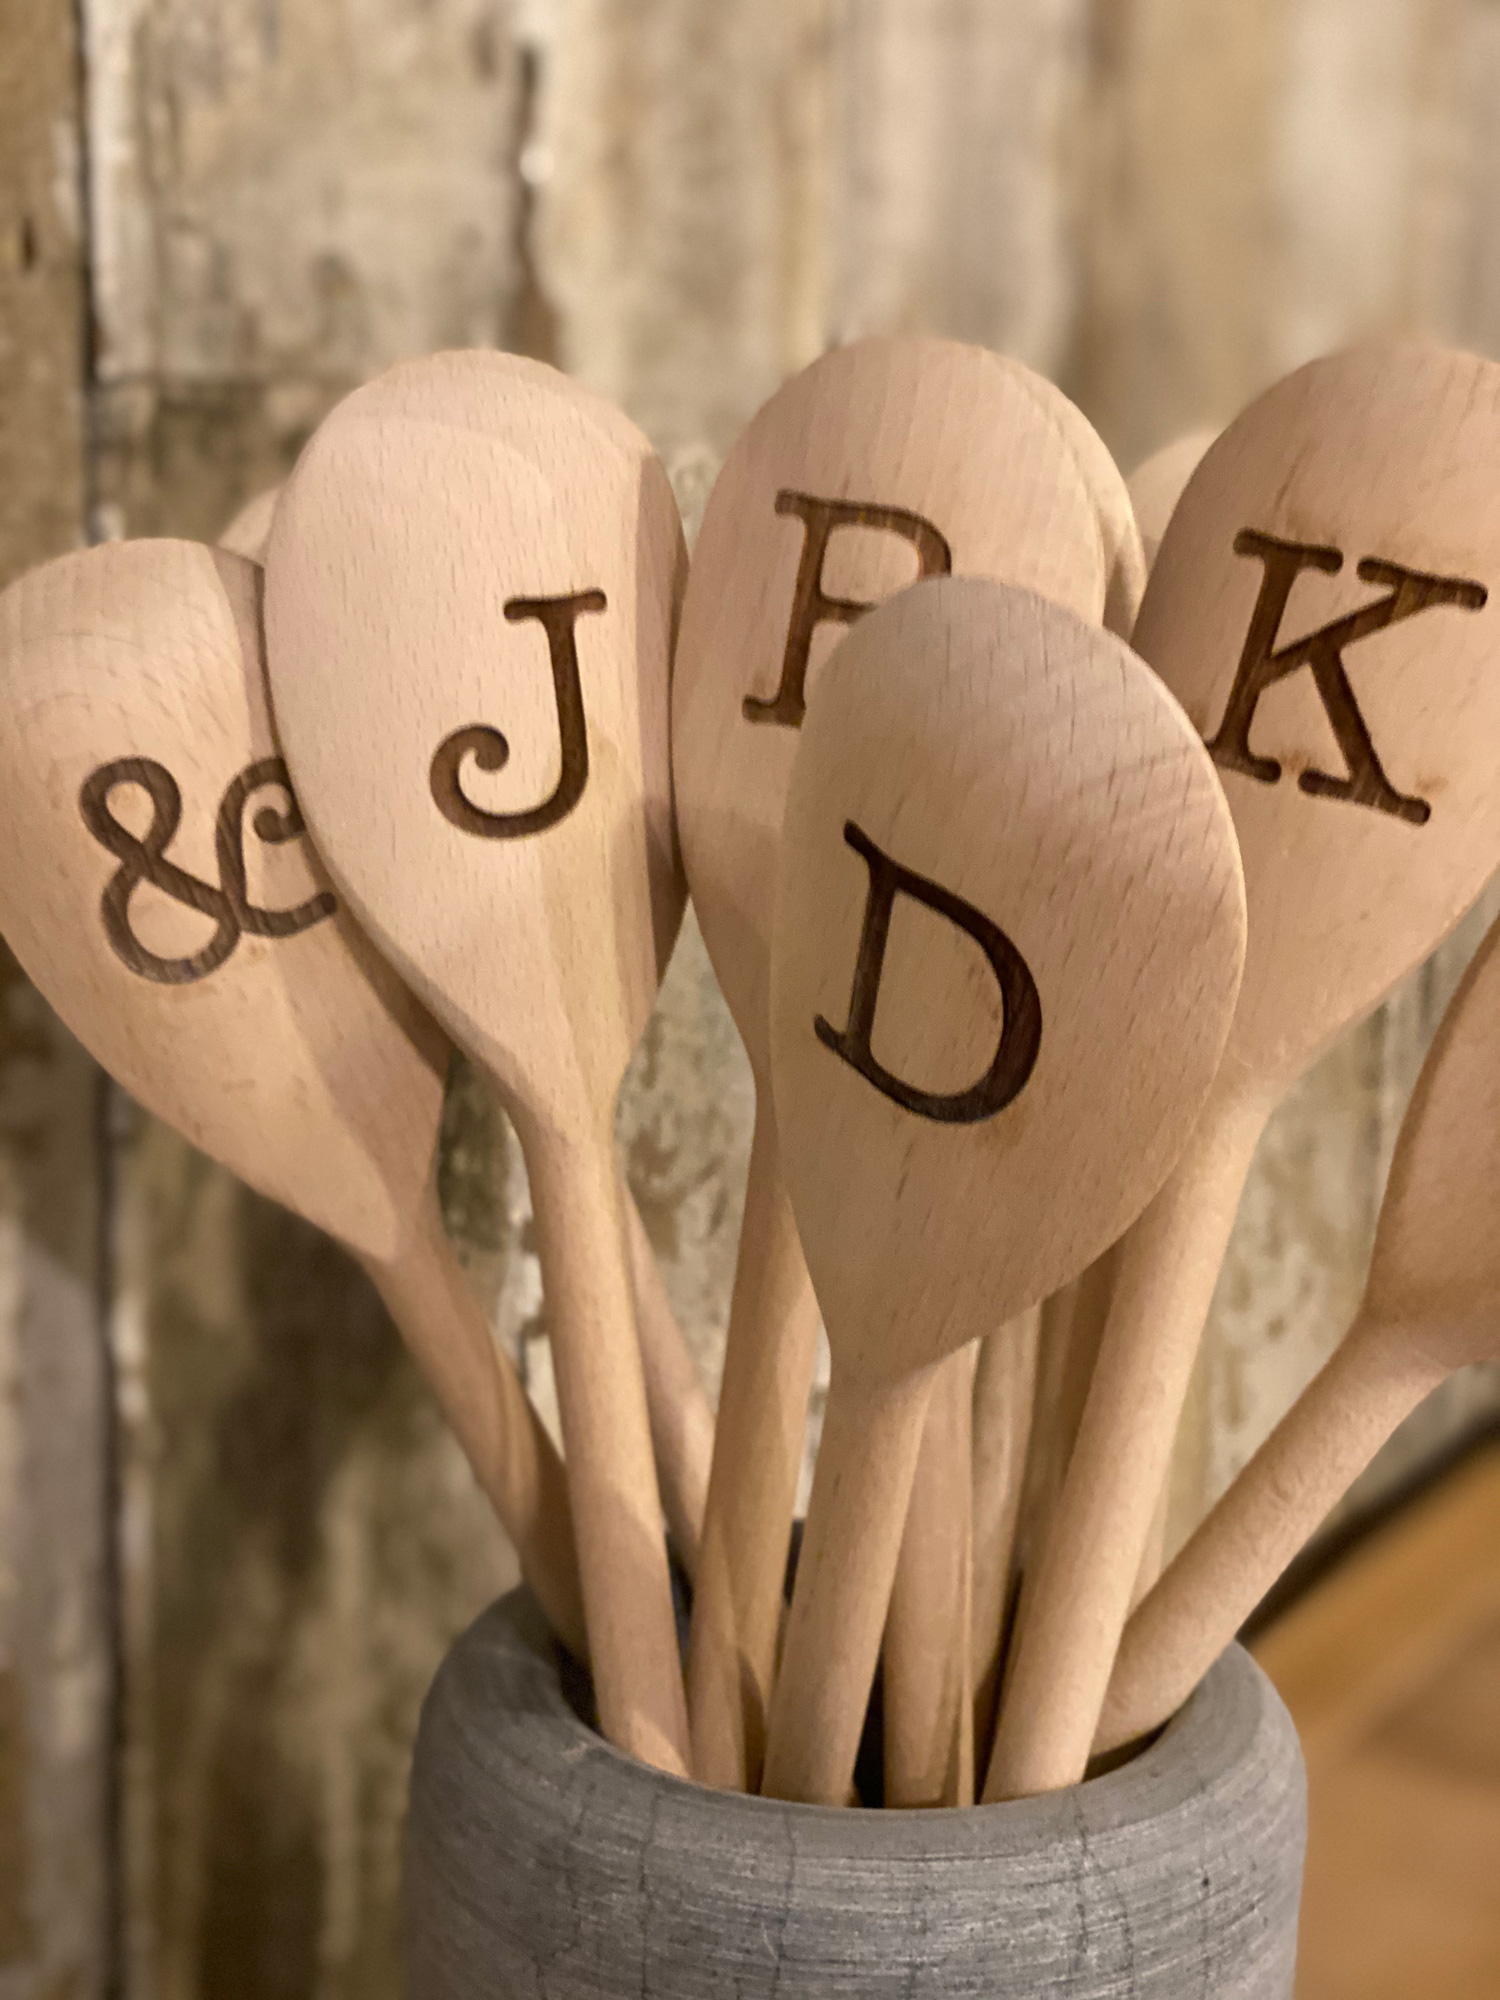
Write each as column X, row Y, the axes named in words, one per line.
column 233, row 1538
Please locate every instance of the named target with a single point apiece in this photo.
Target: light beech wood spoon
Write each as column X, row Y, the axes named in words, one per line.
column 1004, row 1406
column 1120, row 539
column 1009, row 930
column 927, row 1660
column 1322, row 605
column 682, row 1419
column 247, row 532
column 1158, row 483
column 1075, row 1320
column 1006, row 1382
column 470, row 596
column 885, row 460
column 156, row 885
column 1431, row 1306
column 936, row 1598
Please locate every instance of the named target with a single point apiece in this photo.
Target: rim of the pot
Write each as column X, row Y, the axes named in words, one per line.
column 1233, row 1711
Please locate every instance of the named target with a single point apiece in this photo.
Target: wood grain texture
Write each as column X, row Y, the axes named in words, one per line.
column 43, row 274
column 293, row 1565
column 1389, row 1666
column 58, row 1633
column 682, row 1420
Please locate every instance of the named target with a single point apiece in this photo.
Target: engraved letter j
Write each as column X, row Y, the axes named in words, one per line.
column 558, row 616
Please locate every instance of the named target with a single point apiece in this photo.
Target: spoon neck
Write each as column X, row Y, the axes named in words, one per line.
column 422, row 1250
column 1301, row 1471
column 476, row 1386
column 563, row 1131
column 1229, row 1129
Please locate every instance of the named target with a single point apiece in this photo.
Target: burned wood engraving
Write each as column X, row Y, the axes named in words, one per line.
column 227, row 903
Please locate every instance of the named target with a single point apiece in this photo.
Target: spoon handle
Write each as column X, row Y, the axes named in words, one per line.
column 872, row 1434
column 758, row 1452
column 1154, row 1554
column 481, row 1395
column 1074, row 1608
column 1071, row 1330
column 682, row 1418
column 1004, row 1400
column 601, row 1393
column 1309, row 1461
column 927, row 1669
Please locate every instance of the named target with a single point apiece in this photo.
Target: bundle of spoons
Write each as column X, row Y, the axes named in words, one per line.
column 1027, row 908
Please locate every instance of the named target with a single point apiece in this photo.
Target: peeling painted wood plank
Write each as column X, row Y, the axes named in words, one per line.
column 42, row 344
column 287, row 199
column 953, row 200
column 682, row 225
column 285, row 193
column 306, row 1540
column 56, row 1653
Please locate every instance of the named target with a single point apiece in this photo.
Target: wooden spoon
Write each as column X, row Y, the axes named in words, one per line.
column 155, row 886
column 470, row 594
column 1322, row 606
column 1008, row 799
column 1431, row 1306
column 682, row 1419
column 1005, row 1396
column 1006, row 1382
column 927, row 1659
column 247, row 533
column 1075, row 1320
column 884, row 460
column 1119, row 534
column 1158, row 483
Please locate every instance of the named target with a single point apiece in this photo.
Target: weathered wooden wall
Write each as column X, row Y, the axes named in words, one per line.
column 57, row 1651
column 214, row 1636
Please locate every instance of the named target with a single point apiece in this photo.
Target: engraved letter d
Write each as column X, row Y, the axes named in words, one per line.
column 1021, row 1035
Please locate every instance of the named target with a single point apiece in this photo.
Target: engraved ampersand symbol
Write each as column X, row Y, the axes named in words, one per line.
column 144, row 859
column 558, row 618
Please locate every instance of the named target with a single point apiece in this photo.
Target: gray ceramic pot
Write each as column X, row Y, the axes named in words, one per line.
column 540, row 1862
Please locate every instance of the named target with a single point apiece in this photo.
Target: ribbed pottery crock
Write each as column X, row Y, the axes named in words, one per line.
column 541, row 1862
